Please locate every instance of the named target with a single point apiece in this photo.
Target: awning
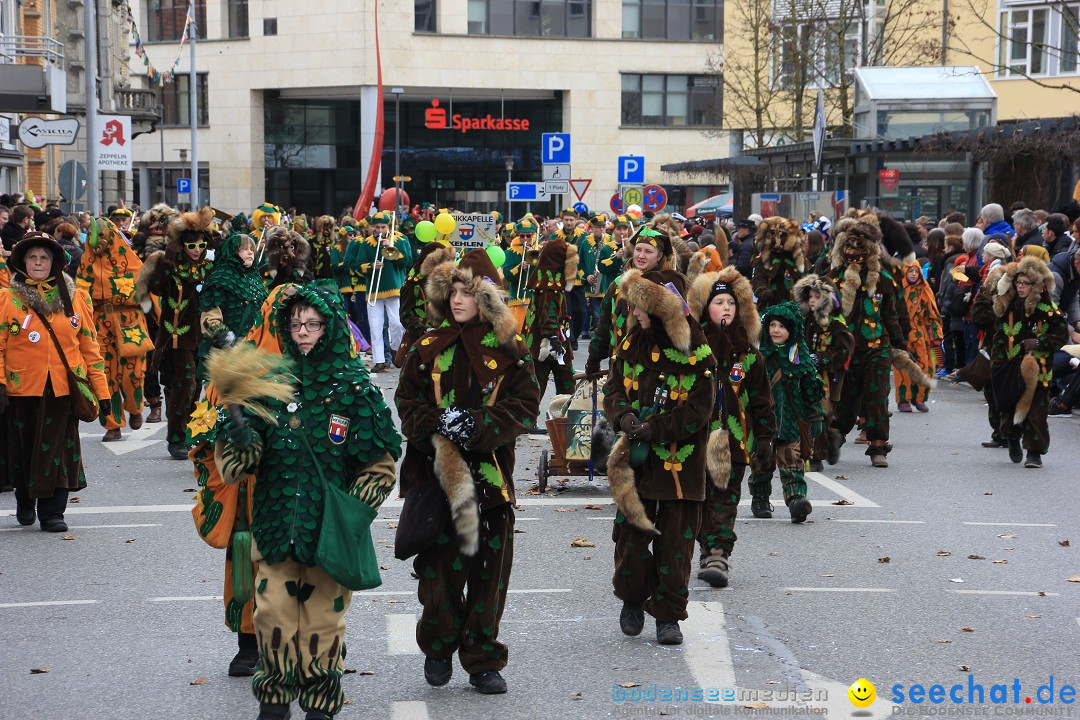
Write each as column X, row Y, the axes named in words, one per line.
column 717, row 205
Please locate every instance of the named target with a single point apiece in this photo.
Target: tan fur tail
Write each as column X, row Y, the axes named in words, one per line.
column 623, row 487
column 142, row 280
column 903, row 362
column 1029, row 371
column 718, row 458
column 457, row 483
column 246, row 376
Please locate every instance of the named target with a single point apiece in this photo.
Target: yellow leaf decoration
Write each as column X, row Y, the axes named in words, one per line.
column 203, row 419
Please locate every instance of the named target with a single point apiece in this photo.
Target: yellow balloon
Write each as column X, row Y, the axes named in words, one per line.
column 445, row 223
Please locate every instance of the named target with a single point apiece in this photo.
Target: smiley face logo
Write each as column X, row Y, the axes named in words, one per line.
column 862, row 693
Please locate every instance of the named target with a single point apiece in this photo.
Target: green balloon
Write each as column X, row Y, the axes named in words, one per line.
column 496, row 255
column 425, row 231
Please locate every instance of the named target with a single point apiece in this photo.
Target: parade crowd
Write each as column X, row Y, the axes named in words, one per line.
column 722, row 351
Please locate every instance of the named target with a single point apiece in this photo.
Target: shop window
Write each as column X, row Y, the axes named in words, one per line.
column 671, row 100
column 424, row 15
column 673, row 19
column 545, row 18
column 1038, row 41
column 177, row 102
column 238, row 18
column 167, row 18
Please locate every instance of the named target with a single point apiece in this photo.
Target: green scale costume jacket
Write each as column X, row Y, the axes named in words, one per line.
column 645, row 368
column 345, row 420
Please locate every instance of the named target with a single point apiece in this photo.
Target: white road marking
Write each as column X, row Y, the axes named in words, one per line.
column 707, row 650
column 529, row 591
column 103, row 510
column 48, row 603
column 409, row 710
column 1006, row 592
column 540, row 591
column 838, row 589
column 843, row 491
column 401, row 634
column 884, row 522
column 90, row 527
column 133, row 439
column 1011, row 524
column 188, row 598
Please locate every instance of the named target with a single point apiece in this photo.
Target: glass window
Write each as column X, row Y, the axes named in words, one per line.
column 270, row 26
column 177, row 102
column 673, row 19
column 238, row 18
column 424, row 16
column 478, row 10
column 167, row 19
column 553, row 18
column 1070, row 24
column 671, row 100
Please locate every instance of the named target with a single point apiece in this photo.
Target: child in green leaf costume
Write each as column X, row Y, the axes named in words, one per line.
column 743, row 423
column 176, row 275
column 797, row 393
column 660, row 393
column 335, row 426
column 467, row 391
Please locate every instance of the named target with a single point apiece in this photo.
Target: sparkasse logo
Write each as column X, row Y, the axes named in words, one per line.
column 436, row 118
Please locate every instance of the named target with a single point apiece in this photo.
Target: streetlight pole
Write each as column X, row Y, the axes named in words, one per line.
column 399, row 182
column 509, row 160
column 91, row 71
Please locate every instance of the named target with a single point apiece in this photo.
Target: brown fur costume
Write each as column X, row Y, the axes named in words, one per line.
column 864, row 236
column 184, row 227
column 825, row 304
column 1042, row 284
column 778, row 234
column 153, row 229
column 717, row 451
column 287, row 252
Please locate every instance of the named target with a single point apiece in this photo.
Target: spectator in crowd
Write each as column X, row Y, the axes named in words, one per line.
column 1054, row 234
column 1026, row 226
column 742, row 247
column 17, row 225
column 992, row 220
column 935, row 252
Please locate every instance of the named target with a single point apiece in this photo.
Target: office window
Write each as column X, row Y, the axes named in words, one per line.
column 269, row 26
column 673, row 19
column 544, row 18
column 238, row 18
column 424, row 15
column 671, row 100
column 167, row 18
column 177, row 102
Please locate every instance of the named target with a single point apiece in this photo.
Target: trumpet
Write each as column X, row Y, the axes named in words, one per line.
column 382, row 254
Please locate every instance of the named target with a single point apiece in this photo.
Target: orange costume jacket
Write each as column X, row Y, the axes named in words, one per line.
column 28, row 355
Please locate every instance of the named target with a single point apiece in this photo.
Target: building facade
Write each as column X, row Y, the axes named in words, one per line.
column 291, row 97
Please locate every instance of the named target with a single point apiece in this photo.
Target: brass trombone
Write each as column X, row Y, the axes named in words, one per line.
column 530, row 257
column 382, row 254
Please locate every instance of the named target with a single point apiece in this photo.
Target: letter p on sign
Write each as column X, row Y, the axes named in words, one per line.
column 631, row 170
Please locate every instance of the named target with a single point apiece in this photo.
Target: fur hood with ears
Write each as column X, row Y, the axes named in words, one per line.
column 649, row 293
column 200, row 221
column 895, row 238
column 748, row 316
column 475, row 273
column 325, row 224
column 856, row 234
column 778, row 234
column 556, row 266
column 1036, row 271
column 287, row 252
column 432, row 256
column 801, row 294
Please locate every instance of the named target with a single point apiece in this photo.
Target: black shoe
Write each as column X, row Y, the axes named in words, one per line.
column 668, row 633
column 995, row 444
column 632, row 619
column 836, row 440
column 318, row 715
column 54, row 525
column 244, row 662
column 1034, row 460
column 1059, row 409
column 585, row 335
column 800, row 507
column 272, row 711
column 26, row 517
column 489, row 682
column 438, row 671
column 1016, row 453
column 178, row 451
column 761, row 508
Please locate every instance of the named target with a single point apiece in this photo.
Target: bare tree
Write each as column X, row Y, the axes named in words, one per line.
column 1028, row 52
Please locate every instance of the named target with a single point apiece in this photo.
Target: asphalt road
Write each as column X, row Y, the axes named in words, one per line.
column 951, row 563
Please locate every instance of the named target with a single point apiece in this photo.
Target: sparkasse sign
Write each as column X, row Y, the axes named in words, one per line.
column 437, row 118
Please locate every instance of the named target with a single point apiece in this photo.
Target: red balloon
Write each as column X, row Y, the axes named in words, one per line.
column 388, row 200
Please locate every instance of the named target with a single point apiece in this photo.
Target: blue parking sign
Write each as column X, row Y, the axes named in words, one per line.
column 631, row 170
column 183, row 185
column 555, row 149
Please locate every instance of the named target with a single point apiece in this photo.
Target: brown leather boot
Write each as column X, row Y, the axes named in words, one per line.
column 111, row 435
column 154, row 416
column 135, row 421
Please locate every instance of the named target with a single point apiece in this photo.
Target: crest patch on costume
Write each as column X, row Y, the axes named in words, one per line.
column 339, row 429
column 736, row 375
column 75, row 321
